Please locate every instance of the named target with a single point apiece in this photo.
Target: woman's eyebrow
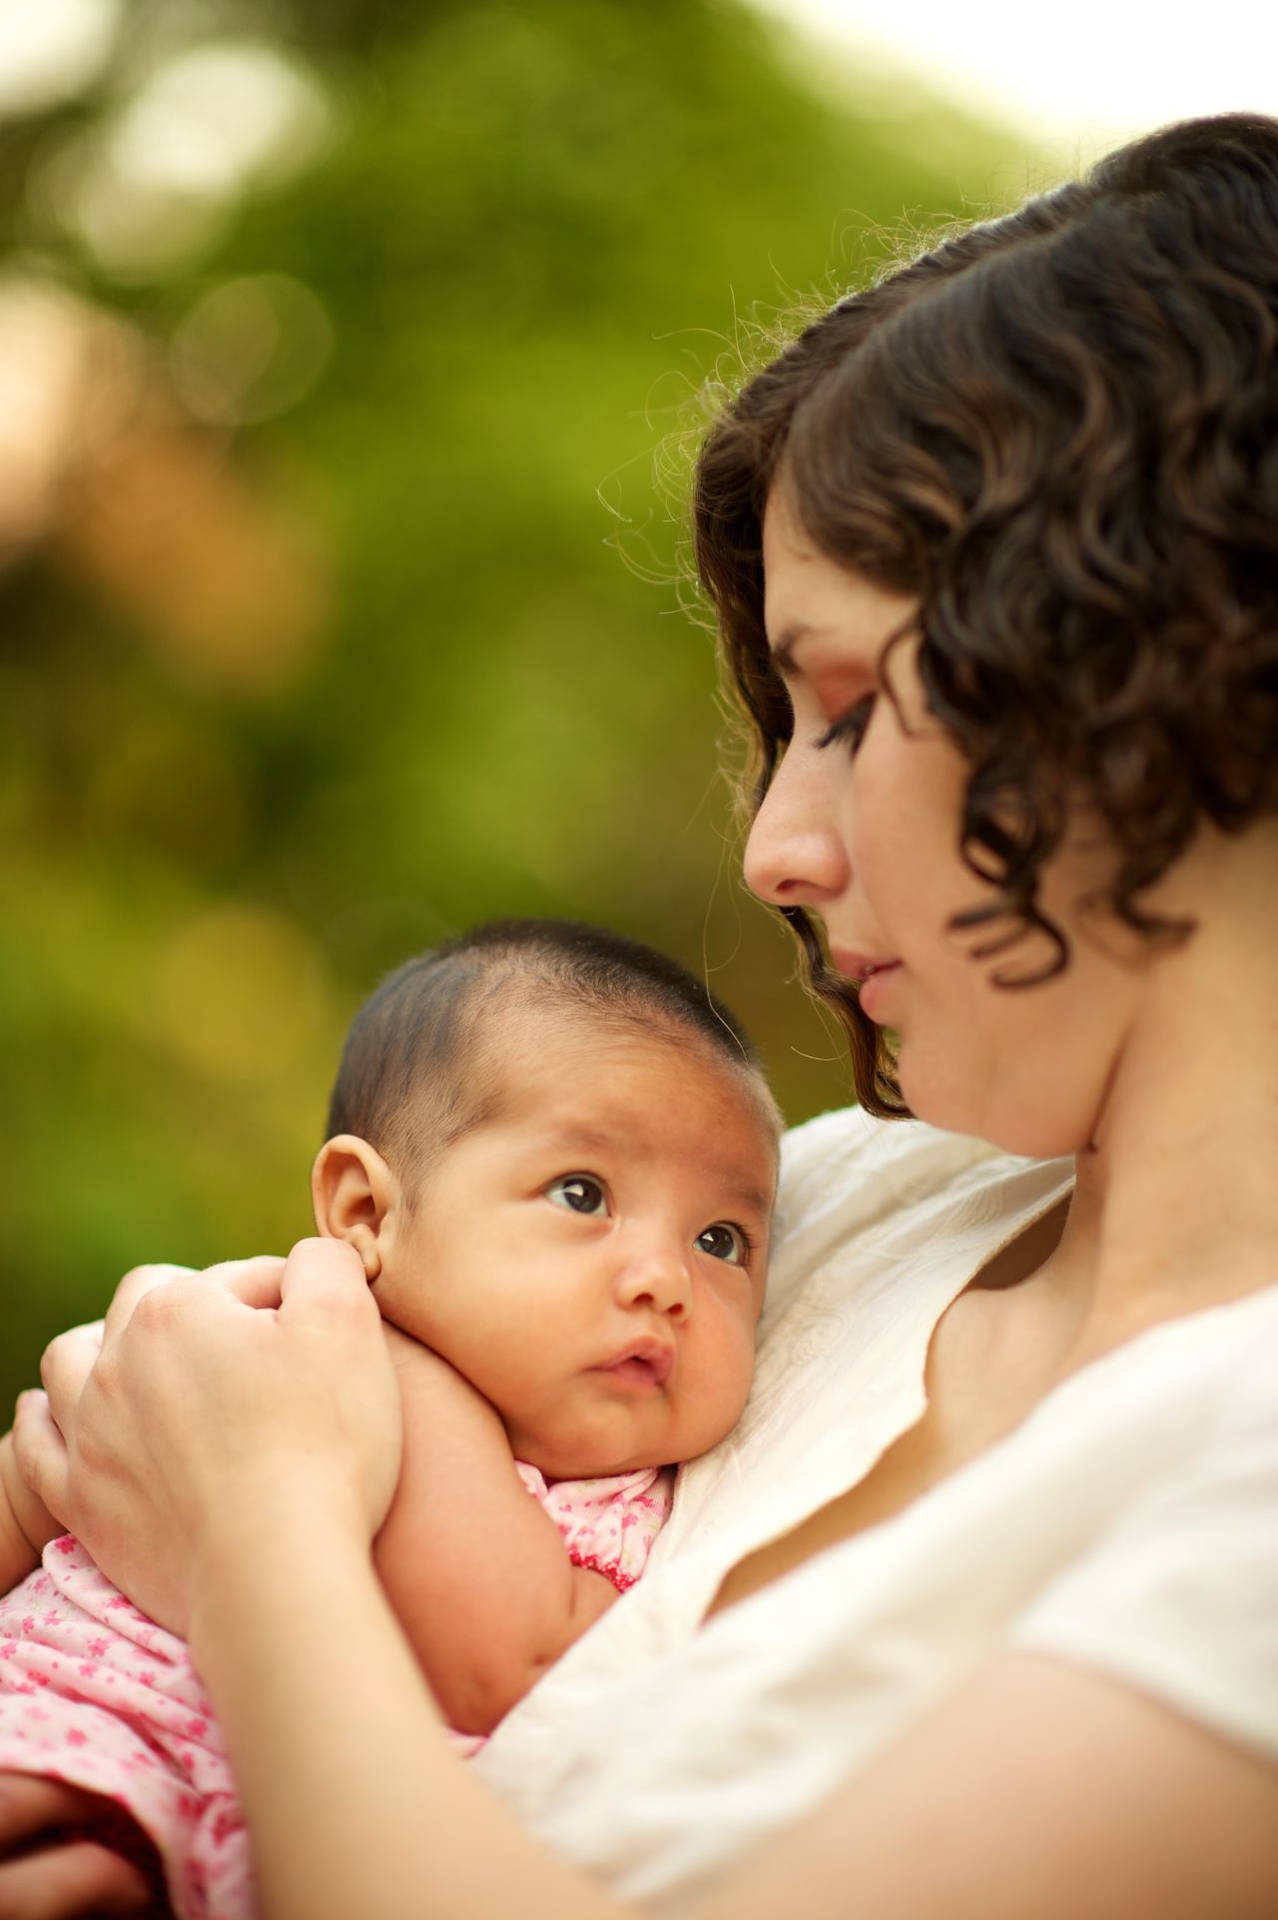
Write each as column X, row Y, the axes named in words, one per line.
column 790, row 637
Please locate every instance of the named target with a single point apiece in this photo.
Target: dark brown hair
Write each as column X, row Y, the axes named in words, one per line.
column 422, row 1063
column 1059, row 430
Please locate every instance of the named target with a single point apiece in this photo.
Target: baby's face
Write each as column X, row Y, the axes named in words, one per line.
column 592, row 1258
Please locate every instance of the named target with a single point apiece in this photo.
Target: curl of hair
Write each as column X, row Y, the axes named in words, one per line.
column 1060, row 431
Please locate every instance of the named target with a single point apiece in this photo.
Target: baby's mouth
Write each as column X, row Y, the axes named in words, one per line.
column 644, row 1365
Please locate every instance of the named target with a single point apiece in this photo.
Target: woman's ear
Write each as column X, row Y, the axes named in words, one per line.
column 354, row 1192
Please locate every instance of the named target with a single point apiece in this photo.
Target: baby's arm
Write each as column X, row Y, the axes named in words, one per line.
column 25, row 1524
column 474, row 1568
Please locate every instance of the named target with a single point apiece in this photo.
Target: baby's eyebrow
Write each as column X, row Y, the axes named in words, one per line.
column 572, row 1140
column 740, row 1192
column 753, row 1199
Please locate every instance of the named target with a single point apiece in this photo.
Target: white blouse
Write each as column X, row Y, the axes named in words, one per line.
column 1130, row 1523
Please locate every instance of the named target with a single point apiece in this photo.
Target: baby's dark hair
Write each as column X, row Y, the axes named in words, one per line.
column 422, row 1063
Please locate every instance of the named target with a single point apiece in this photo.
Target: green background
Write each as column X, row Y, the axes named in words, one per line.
column 353, row 608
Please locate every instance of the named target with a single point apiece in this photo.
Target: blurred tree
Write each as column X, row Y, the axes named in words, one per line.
column 350, row 364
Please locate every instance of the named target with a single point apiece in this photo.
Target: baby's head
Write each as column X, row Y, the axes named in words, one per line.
column 555, row 1153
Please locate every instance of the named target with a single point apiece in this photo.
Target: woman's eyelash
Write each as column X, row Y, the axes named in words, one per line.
column 849, row 726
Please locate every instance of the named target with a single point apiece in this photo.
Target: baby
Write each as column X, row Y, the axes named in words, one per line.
column 555, row 1155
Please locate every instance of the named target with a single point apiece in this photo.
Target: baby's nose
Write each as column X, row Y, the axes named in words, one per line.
column 661, row 1279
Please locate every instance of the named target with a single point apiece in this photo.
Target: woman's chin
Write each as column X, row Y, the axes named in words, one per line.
column 1019, row 1121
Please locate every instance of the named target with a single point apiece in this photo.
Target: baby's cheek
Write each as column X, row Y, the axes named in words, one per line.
column 402, row 1308
column 730, row 1368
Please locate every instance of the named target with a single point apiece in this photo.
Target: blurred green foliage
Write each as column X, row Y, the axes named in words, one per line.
column 346, row 607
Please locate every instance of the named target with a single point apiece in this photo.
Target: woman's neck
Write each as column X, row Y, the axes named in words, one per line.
column 1177, row 1200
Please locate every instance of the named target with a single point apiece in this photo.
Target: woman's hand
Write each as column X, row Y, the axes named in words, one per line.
column 65, row 1852
column 205, row 1406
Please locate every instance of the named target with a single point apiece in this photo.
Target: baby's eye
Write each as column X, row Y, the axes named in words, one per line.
column 724, row 1242
column 579, row 1192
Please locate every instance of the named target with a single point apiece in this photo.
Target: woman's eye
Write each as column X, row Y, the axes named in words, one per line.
column 579, row 1192
column 850, row 726
column 723, row 1242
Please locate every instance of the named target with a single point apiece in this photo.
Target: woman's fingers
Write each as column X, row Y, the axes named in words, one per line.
column 66, row 1364
column 70, row 1358
column 323, row 1273
column 327, row 1306
column 30, row 1805
column 137, row 1282
column 62, row 1877
column 255, row 1281
column 73, row 1878
column 41, row 1454
column 191, row 1412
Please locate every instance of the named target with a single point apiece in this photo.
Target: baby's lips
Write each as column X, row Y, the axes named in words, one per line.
column 650, row 1357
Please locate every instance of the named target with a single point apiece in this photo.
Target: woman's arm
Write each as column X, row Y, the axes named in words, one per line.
column 1035, row 1789
column 474, row 1568
column 355, row 1802
column 1038, row 1791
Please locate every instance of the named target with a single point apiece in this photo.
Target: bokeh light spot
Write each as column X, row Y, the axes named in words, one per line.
column 69, row 374
column 250, row 349
column 218, row 117
column 52, row 51
column 241, row 994
column 151, row 191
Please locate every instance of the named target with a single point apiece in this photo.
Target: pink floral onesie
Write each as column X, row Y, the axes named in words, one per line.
column 94, row 1693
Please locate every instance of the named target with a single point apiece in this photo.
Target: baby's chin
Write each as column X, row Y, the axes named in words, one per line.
column 559, row 1463
column 575, row 1455
column 558, row 1458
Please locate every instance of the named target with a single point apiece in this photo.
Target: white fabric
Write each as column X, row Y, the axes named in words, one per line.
column 1130, row 1523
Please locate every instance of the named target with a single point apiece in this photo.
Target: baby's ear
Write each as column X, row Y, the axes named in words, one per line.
column 353, row 1190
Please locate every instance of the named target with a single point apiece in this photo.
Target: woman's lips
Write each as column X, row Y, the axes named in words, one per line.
column 874, row 986
column 859, row 966
column 870, row 974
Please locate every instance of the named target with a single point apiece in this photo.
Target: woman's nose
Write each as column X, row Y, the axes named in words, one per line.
column 794, row 855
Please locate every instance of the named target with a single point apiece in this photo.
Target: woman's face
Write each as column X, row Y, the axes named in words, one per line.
column 861, row 827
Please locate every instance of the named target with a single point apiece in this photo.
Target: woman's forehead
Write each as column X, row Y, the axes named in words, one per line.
column 814, row 604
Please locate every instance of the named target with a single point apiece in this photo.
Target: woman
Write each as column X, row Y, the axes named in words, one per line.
column 992, row 1563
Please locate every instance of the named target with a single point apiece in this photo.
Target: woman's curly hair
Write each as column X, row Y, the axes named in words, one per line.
column 1059, row 430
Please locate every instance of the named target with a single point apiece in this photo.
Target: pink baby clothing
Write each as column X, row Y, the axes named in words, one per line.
column 94, row 1693
column 608, row 1524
